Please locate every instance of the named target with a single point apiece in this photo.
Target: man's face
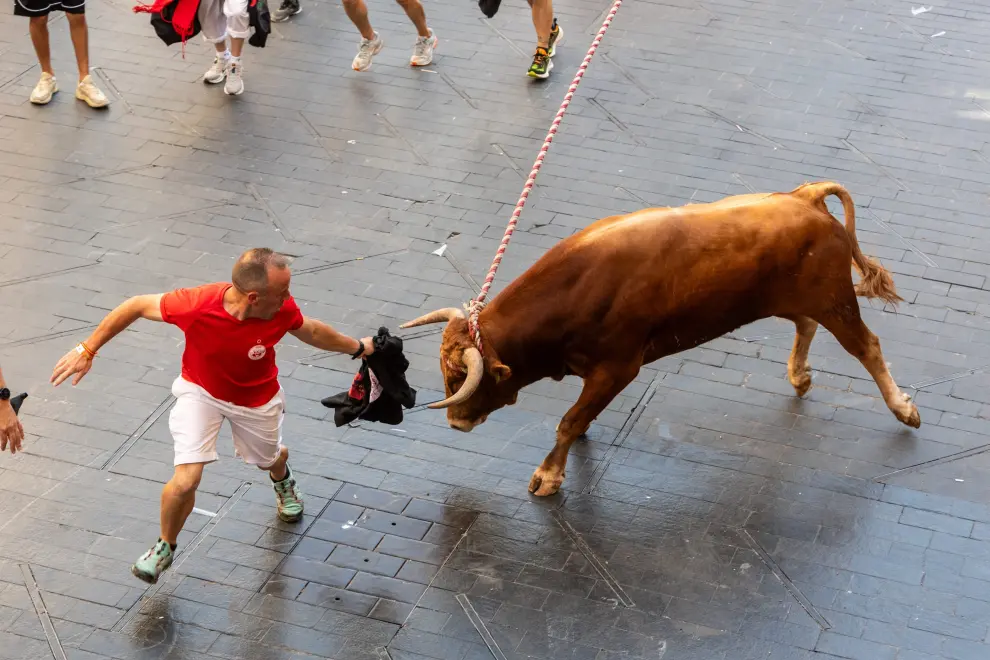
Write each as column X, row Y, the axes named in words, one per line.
column 266, row 303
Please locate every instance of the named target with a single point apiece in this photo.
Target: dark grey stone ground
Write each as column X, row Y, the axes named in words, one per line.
column 710, row 514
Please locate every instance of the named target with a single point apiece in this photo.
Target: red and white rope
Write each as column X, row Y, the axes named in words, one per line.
column 476, row 305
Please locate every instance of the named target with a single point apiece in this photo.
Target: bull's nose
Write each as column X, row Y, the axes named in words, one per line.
column 462, row 426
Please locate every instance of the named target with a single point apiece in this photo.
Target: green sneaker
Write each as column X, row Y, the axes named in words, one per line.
column 288, row 497
column 556, row 36
column 153, row 563
column 542, row 64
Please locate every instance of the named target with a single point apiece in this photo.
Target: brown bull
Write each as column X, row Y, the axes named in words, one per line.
column 631, row 289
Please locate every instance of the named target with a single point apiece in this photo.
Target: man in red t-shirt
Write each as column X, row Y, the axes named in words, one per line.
column 228, row 372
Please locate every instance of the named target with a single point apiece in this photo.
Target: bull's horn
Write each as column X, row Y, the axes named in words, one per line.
column 475, row 370
column 439, row 316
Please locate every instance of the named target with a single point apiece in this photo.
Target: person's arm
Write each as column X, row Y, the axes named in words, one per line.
column 11, row 431
column 320, row 335
column 80, row 359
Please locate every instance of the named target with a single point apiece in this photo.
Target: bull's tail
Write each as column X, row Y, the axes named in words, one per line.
column 876, row 281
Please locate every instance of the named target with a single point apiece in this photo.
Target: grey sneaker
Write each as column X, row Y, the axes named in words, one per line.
column 366, row 51
column 423, row 52
column 235, row 83
column 288, row 497
column 153, row 563
column 286, row 10
column 216, row 73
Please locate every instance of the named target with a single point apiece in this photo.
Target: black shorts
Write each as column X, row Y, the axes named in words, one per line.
column 45, row 7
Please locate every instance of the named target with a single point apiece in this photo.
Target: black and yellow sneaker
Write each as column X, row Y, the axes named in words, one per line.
column 556, row 36
column 542, row 64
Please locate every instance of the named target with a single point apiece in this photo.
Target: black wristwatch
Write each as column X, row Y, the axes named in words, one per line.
column 359, row 352
column 4, row 394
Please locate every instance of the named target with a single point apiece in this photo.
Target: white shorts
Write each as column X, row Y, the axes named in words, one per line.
column 223, row 18
column 195, row 424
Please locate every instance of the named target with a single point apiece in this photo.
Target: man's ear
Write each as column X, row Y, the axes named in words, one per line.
column 501, row 372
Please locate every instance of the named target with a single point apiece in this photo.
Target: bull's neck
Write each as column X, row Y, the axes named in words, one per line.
column 512, row 332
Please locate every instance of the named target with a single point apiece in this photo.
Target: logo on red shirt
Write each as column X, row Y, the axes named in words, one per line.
column 257, row 351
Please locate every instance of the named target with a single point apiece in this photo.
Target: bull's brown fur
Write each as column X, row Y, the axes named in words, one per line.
column 628, row 290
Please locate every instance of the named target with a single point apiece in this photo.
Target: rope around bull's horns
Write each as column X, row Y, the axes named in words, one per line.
column 475, row 306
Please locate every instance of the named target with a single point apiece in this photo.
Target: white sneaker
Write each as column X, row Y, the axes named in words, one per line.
column 44, row 90
column 217, row 72
column 90, row 94
column 423, row 52
column 235, row 83
column 367, row 50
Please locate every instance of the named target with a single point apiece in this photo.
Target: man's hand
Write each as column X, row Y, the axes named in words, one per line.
column 11, row 431
column 73, row 362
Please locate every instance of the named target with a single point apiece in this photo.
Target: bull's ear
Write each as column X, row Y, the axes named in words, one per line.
column 501, row 372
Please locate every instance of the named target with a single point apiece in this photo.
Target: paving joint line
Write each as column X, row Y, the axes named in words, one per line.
column 42, row 276
column 743, row 182
column 633, row 195
column 624, row 432
column 275, row 220
column 922, row 384
column 593, row 559
column 743, row 129
column 40, row 338
column 186, row 552
column 138, row 433
column 949, row 458
column 491, row 26
column 105, row 77
column 457, row 89
column 402, row 138
column 852, row 147
column 629, row 76
column 462, row 271
column 921, row 255
column 479, row 626
column 334, row 158
column 618, row 123
column 167, row 216
column 42, row 611
column 791, row 588
column 337, row 264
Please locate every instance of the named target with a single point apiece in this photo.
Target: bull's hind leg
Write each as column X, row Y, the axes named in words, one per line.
column 600, row 387
column 862, row 344
column 798, row 369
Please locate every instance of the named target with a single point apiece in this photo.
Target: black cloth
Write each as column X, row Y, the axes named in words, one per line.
column 16, row 401
column 489, row 7
column 260, row 18
column 379, row 390
column 162, row 23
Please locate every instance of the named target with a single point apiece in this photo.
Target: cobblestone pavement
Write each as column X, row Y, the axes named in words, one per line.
column 709, row 515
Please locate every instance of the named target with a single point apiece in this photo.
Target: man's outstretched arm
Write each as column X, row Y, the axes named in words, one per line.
column 80, row 359
column 320, row 335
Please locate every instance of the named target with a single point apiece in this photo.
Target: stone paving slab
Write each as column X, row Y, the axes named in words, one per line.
column 708, row 514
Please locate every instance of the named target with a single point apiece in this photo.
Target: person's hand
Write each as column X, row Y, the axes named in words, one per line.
column 11, row 431
column 369, row 346
column 73, row 362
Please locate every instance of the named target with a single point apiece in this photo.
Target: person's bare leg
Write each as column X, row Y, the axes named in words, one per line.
column 278, row 469
column 178, row 499
column 357, row 11
column 416, row 13
column 542, row 21
column 39, row 38
column 79, row 32
column 236, row 46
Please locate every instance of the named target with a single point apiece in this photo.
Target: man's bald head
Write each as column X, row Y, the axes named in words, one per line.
column 251, row 270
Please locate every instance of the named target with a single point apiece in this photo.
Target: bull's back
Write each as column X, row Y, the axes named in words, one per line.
column 699, row 270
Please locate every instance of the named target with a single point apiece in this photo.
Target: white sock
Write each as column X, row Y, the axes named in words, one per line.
column 225, row 55
column 234, row 60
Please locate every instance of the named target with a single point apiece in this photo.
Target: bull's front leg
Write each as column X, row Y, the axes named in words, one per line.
column 600, row 387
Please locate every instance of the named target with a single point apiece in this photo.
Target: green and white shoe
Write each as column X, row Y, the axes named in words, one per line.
column 288, row 498
column 153, row 563
column 556, row 36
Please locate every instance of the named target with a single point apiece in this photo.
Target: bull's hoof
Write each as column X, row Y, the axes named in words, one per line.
column 908, row 413
column 801, row 380
column 545, row 482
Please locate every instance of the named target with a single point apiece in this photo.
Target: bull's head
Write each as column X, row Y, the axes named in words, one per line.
column 474, row 384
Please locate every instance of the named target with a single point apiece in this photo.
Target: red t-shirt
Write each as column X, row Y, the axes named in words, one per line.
column 232, row 360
